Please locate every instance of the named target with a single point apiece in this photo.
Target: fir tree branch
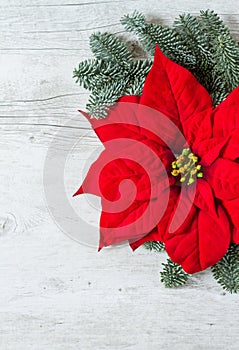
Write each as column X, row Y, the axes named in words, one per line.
column 225, row 52
column 151, row 34
column 92, row 73
column 227, row 55
column 173, row 275
column 99, row 103
column 155, row 246
column 193, row 35
column 107, row 46
column 108, row 81
column 226, row 271
column 212, row 24
column 137, row 72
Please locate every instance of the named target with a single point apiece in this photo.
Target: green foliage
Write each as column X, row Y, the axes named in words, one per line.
column 173, row 275
column 216, row 52
column 107, row 46
column 151, row 34
column 154, row 246
column 226, row 271
column 227, row 66
column 202, row 44
column 111, row 74
column 100, row 102
column 212, row 23
column 91, row 74
column 191, row 33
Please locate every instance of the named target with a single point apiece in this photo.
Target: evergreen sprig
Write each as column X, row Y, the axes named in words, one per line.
column 155, row 246
column 92, row 73
column 111, row 74
column 151, row 34
column 173, row 275
column 107, row 46
column 226, row 271
column 202, row 44
column 215, row 50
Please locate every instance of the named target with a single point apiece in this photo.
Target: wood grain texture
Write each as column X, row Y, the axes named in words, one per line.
column 57, row 294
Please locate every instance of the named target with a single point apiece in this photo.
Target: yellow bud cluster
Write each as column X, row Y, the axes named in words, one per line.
column 186, row 165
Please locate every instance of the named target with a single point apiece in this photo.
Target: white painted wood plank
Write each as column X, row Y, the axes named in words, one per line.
column 56, row 293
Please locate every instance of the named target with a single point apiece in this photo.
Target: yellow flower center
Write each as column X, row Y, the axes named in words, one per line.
column 187, row 166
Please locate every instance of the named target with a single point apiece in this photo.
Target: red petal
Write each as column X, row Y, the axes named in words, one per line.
column 226, row 124
column 90, row 183
column 154, row 235
column 178, row 213
column 225, row 116
column 223, row 177
column 139, row 123
column 202, row 244
column 203, row 238
column 232, row 208
column 95, row 123
column 133, row 224
column 109, row 128
column 231, row 151
column 174, row 91
column 209, row 150
column 130, row 209
column 235, row 236
column 204, row 197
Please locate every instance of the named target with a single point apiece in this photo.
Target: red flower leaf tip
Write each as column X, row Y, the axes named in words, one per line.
column 151, row 188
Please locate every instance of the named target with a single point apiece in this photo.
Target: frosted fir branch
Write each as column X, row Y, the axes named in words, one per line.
column 155, row 246
column 107, row 46
column 173, row 275
column 226, row 271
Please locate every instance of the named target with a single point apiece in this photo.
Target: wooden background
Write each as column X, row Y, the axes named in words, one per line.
column 57, row 294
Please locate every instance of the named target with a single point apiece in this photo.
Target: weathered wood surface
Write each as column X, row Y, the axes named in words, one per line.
column 57, row 294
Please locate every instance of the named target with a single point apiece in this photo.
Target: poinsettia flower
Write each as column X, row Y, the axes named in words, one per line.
column 206, row 160
column 212, row 134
